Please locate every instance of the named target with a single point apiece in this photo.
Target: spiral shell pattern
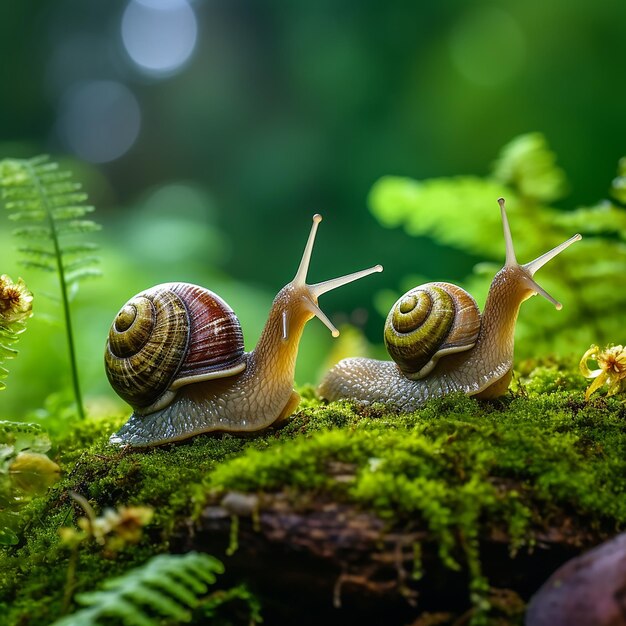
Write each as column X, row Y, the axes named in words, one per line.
column 167, row 336
column 428, row 322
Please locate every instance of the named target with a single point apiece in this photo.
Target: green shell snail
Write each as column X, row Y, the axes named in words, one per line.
column 441, row 343
column 175, row 354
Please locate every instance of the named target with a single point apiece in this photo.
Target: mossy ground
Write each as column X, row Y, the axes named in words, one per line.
column 458, row 466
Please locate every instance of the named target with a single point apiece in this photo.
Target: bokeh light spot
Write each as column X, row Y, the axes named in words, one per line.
column 99, row 120
column 159, row 35
column 487, row 46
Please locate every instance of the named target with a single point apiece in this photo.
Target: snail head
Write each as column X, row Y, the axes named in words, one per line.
column 301, row 299
column 524, row 273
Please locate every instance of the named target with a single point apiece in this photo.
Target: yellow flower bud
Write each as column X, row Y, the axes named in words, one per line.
column 16, row 301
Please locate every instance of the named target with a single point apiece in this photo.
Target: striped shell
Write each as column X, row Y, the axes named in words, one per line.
column 428, row 322
column 169, row 336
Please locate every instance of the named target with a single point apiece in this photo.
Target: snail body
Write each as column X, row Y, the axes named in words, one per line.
column 459, row 350
column 175, row 353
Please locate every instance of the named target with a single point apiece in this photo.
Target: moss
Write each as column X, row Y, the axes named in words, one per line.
column 447, row 463
column 457, row 466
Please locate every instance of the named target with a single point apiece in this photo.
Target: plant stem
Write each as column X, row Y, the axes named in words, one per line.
column 63, row 285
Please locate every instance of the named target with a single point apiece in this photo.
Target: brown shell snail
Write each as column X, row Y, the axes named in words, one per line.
column 441, row 343
column 175, row 354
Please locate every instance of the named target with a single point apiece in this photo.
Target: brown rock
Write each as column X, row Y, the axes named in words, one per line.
column 589, row 590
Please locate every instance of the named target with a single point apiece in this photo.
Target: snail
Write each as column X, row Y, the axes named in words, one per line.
column 440, row 343
column 175, row 354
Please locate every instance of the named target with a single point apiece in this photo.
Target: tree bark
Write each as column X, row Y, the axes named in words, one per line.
column 314, row 560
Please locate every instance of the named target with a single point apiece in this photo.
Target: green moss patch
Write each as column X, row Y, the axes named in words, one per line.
column 458, row 467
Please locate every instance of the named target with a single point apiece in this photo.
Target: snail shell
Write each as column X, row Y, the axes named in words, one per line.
column 168, row 336
column 428, row 322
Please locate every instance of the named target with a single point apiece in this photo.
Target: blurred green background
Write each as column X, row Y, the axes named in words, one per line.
column 207, row 133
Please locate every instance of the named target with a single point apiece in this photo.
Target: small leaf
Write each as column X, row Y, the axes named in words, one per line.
column 77, row 226
column 60, row 187
column 460, row 212
column 79, row 248
column 24, row 436
column 162, row 603
column 33, row 473
column 51, row 174
column 83, row 261
column 37, row 251
column 27, row 215
column 71, row 212
column 7, row 353
column 82, row 274
column 8, row 537
column 33, row 232
column 40, row 265
column 603, row 219
column 528, row 166
column 66, row 199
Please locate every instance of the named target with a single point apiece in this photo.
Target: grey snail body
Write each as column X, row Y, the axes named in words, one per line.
column 477, row 362
column 175, row 353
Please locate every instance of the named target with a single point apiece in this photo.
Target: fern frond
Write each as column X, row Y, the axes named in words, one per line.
column 167, row 586
column 25, row 213
column 51, row 208
column 32, row 232
column 76, row 227
column 82, row 273
column 7, row 338
column 40, row 265
column 71, row 212
column 79, row 248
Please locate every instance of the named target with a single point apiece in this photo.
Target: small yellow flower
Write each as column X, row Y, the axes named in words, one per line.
column 16, row 301
column 611, row 368
column 113, row 530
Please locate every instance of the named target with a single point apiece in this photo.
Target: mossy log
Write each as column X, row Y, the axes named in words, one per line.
column 457, row 512
column 342, row 565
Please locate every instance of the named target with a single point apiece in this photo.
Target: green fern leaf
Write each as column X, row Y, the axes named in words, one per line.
column 167, row 586
column 41, row 265
column 71, row 212
column 35, row 251
column 32, row 232
column 81, row 262
column 162, row 603
column 25, row 213
column 51, row 207
column 603, row 219
column 82, row 273
column 7, row 338
column 528, row 166
column 6, row 352
column 79, row 248
column 428, row 207
column 40, row 194
column 77, row 227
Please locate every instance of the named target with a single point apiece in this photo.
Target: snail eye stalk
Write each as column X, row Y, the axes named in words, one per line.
column 313, row 292
column 531, row 267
